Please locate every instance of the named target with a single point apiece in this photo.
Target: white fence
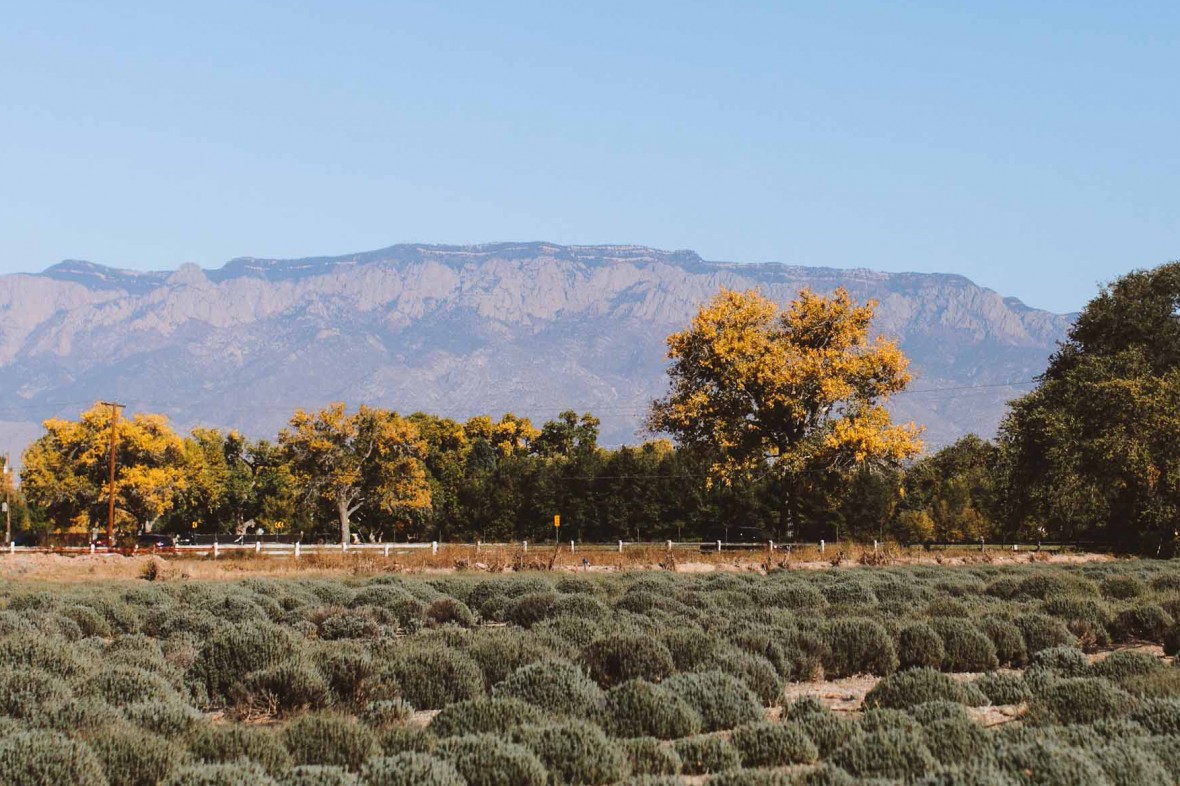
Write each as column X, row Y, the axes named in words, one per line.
column 297, row 550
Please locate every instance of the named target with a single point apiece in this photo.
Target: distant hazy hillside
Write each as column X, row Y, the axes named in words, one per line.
column 525, row 327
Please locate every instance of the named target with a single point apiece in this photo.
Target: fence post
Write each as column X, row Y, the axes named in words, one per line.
column 477, row 545
column 258, row 547
column 216, row 550
column 620, row 547
column 821, row 547
column 434, row 547
column 91, row 548
column 385, row 550
column 526, row 547
column 12, row 547
column 718, row 547
column 343, row 546
column 874, row 546
column 297, row 549
column 669, row 547
column 981, row 548
column 571, row 547
column 770, row 546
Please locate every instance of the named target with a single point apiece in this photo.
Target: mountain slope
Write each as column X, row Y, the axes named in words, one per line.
column 532, row 328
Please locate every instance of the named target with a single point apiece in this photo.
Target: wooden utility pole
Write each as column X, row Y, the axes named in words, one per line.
column 111, row 489
column 7, row 502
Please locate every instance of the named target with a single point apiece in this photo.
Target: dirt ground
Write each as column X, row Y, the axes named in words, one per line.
column 113, row 566
column 847, row 695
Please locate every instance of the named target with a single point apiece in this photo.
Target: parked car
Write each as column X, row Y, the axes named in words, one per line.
column 151, row 541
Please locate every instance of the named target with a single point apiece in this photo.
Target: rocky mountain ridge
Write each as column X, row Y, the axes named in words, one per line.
column 532, row 328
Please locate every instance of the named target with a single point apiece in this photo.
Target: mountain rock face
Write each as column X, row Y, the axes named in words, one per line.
column 530, row 328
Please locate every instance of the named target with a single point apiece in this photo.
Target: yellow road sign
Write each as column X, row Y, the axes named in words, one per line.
column 557, row 521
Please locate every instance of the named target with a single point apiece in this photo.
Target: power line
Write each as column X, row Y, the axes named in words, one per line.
column 969, row 387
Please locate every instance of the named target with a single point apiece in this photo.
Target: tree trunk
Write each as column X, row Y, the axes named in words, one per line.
column 345, row 529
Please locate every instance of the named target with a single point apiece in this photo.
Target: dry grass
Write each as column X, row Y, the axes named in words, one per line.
column 496, row 559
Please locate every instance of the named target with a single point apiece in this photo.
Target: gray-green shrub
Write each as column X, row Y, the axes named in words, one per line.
column 319, row 775
column 965, row 647
column 484, row 760
column 1003, row 688
column 1079, row 700
column 885, row 753
column 233, row 651
column 555, row 686
column 410, row 769
column 706, row 754
column 133, row 757
column 45, row 758
column 238, row 773
column 231, row 743
column 858, row 646
column 330, row 739
column 486, row 715
column 647, row 756
column 616, row 658
column 765, row 744
column 430, row 677
column 919, row 645
column 575, row 752
column 721, row 701
column 917, row 686
column 642, row 709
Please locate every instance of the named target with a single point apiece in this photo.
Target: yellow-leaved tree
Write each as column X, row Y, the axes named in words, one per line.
column 372, row 458
column 66, row 471
column 798, row 392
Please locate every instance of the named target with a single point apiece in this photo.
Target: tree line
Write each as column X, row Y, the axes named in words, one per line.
column 776, row 428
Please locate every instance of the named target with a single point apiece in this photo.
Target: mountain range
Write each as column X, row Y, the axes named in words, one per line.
column 531, row 328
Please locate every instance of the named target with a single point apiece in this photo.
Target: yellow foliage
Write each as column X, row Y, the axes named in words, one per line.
column 371, row 457
column 509, row 436
column 66, row 471
column 799, row 389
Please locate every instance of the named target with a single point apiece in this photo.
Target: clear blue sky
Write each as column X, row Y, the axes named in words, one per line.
column 1034, row 147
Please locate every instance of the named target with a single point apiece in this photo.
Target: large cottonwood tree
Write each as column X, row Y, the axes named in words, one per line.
column 371, row 458
column 797, row 393
column 65, row 472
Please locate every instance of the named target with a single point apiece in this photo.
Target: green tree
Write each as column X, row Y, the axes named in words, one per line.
column 234, row 481
column 1094, row 452
column 956, row 489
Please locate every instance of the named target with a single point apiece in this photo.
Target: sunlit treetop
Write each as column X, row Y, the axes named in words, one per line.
column 758, row 388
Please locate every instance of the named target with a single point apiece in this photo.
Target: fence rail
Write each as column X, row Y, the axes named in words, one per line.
column 274, row 548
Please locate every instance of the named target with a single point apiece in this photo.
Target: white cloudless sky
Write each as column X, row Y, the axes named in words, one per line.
column 1032, row 147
